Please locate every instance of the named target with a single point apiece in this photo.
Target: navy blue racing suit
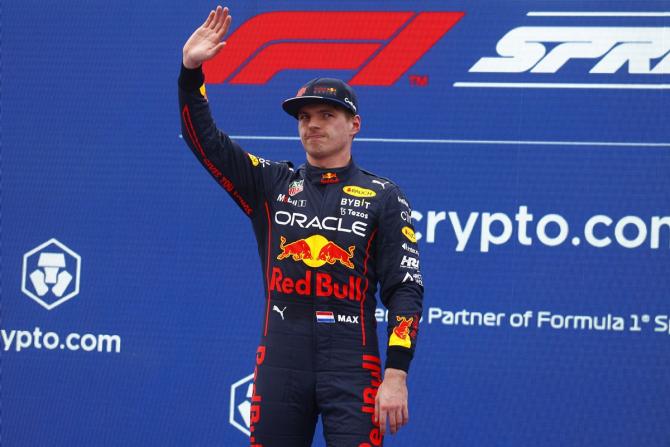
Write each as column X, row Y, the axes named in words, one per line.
column 326, row 239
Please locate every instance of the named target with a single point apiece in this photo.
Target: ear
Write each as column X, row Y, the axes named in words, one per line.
column 355, row 125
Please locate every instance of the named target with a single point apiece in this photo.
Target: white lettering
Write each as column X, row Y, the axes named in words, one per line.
column 487, row 237
column 542, row 227
column 523, row 218
column 590, row 225
column 462, row 234
column 522, row 49
column 656, row 223
column 7, row 341
column 327, row 223
column 433, row 220
column 621, row 237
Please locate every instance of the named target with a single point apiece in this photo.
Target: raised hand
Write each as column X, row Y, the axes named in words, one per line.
column 205, row 42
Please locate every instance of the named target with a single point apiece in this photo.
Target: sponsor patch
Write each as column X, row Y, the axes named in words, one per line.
column 400, row 335
column 329, row 177
column 295, row 187
column 409, row 262
column 415, row 277
column 315, row 251
column 409, row 234
column 283, row 198
column 357, row 191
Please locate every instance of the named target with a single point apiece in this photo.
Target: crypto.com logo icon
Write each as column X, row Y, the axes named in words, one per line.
column 382, row 46
column 240, row 404
column 51, row 274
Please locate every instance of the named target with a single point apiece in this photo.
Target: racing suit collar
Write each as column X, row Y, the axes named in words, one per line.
column 325, row 176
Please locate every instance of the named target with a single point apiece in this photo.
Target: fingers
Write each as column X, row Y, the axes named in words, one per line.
column 382, row 422
column 224, row 28
column 210, row 17
column 405, row 414
column 393, row 421
column 376, row 419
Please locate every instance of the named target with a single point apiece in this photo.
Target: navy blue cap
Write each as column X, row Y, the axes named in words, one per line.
column 329, row 90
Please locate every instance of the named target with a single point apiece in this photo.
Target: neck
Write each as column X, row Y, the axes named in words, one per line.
column 334, row 161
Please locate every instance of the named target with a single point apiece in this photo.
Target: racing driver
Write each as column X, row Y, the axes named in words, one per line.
column 328, row 234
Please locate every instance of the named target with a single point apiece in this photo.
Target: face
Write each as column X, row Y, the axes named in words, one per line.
column 326, row 131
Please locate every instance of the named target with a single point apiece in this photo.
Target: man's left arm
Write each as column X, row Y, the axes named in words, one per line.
column 402, row 293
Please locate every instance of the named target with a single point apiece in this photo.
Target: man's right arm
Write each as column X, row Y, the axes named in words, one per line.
column 238, row 172
column 235, row 170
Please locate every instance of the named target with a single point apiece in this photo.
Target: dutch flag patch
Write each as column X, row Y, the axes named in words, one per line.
column 324, row 317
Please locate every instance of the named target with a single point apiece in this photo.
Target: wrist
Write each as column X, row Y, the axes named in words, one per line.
column 395, row 374
column 189, row 63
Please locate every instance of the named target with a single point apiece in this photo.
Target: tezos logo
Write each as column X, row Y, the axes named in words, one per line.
column 240, row 404
column 51, row 273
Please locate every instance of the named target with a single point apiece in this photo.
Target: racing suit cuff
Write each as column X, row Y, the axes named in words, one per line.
column 191, row 79
column 398, row 358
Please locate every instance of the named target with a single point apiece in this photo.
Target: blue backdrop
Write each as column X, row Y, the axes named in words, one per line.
column 532, row 138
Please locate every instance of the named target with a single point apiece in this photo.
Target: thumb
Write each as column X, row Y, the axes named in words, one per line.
column 219, row 47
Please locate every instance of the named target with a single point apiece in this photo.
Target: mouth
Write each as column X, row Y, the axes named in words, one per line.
column 312, row 137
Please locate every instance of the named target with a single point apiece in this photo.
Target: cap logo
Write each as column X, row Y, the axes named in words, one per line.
column 348, row 101
column 301, row 91
column 325, row 91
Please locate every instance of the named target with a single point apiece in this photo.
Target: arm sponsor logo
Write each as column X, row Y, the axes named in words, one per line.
column 258, row 161
column 400, row 335
column 410, row 249
column 413, row 277
column 409, row 262
column 409, row 234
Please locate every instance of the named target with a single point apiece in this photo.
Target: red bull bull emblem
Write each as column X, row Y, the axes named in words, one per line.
column 326, row 251
column 329, row 177
column 400, row 335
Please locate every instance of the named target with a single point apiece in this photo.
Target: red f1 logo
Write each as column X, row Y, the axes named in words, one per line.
column 382, row 46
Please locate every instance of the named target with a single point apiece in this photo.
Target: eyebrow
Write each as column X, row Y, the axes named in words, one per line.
column 324, row 109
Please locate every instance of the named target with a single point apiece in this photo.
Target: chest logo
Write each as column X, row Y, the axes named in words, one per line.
column 357, row 191
column 329, row 177
column 295, row 187
column 316, row 251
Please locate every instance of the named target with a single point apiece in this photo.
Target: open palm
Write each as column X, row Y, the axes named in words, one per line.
column 206, row 42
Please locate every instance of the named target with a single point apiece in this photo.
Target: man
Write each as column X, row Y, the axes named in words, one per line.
column 327, row 233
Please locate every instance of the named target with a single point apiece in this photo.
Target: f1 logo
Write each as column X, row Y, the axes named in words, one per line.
column 382, row 46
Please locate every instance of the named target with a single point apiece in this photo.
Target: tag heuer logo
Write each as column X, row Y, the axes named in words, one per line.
column 295, row 187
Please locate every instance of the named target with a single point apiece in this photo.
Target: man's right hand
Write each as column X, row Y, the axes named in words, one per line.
column 205, row 42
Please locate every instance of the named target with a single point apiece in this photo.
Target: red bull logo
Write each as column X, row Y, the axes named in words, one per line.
column 400, row 335
column 326, row 251
column 373, row 365
column 329, row 177
column 319, row 284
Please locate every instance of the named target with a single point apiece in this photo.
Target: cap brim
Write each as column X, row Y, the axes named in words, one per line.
column 292, row 105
